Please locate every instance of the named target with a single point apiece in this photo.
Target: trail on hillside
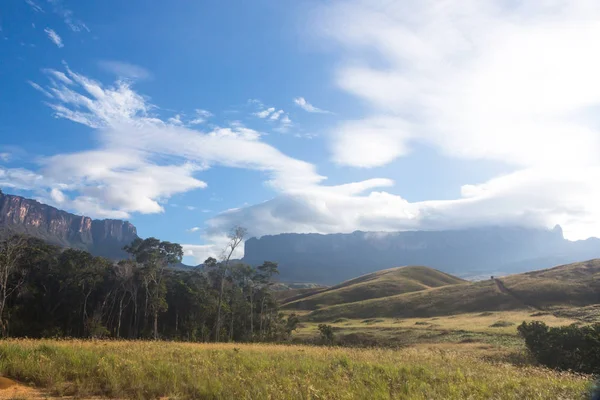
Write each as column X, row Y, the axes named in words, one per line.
column 520, row 299
column 517, row 297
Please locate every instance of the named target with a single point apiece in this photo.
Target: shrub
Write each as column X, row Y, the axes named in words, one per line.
column 327, row 334
column 501, row 324
column 567, row 348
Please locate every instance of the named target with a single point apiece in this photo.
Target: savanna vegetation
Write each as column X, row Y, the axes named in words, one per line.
column 429, row 337
column 46, row 291
column 145, row 370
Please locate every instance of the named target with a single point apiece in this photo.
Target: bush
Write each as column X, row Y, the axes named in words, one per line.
column 501, row 324
column 327, row 334
column 566, row 348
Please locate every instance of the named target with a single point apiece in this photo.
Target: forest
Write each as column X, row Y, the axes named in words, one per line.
column 47, row 291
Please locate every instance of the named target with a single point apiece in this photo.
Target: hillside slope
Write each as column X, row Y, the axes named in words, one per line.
column 384, row 283
column 575, row 284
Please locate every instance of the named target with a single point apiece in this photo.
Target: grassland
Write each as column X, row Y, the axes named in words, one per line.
column 496, row 332
column 144, row 370
column 573, row 285
column 389, row 282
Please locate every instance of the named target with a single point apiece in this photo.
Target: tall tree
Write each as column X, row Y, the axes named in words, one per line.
column 155, row 256
column 235, row 239
column 12, row 253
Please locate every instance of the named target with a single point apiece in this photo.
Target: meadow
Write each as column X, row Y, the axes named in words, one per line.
column 145, row 370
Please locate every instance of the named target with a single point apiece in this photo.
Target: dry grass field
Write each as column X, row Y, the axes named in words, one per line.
column 146, row 370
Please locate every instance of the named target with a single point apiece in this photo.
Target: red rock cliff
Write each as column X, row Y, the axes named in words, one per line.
column 100, row 237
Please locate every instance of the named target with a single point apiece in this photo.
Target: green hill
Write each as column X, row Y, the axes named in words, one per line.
column 575, row 284
column 379, row 284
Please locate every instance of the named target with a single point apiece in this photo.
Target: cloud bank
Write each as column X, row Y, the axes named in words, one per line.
column 475, row 80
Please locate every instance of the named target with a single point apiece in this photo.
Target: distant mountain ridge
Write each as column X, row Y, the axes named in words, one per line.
column 100, row 237
column 333, row 258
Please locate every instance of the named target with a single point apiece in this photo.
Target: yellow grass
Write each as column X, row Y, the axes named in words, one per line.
column 147, row 370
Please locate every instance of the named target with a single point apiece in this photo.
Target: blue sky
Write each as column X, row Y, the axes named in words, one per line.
column 189, row 117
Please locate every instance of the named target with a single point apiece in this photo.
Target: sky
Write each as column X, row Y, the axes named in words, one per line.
column 188, row 118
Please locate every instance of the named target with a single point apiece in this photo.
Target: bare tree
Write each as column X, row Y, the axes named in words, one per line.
column 12, row 253
column 235, row 238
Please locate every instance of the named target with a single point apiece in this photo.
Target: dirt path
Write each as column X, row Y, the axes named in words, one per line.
column 509, row 292
column 10, row 389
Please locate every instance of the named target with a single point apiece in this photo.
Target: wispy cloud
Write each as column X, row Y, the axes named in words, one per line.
column 124, row 69
column 191, row 208
column 275, row 116
column 40, row 89
column 5, row 157
column 265, row 113
column 176, row 120
column 54, row 37
column 201, row 116
column 69, row 19
column 306, row 106
column 143, row 160
column 285, row 124
column 280, row 117
column 34, row 6
column 194, row 229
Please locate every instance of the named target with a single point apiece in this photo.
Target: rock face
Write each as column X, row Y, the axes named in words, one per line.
column 100, row 237
column 330, row 259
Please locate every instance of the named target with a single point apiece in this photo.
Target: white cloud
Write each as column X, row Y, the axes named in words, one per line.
column 141, row 160
column 285, row 123
column 275, row 116
column 40, row 89
column 59, row 75
column 54, row 37
column 265, row 113
column 191, row 208
column 125, row 70
column 201, row 116
column 203, row 113
column 194, row 229
column 57, row 196
column 475, row 79
column 176, row 120
column 20, row 178
column 66, row 14
column 5, row 157
column 306, row 106
column 34, row 6
column 510, row 82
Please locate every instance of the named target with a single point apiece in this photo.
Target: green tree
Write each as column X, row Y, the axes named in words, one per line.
column 326, row 332
column 155, row 256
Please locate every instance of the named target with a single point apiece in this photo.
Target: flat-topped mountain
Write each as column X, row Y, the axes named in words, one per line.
column 100, row 237
column 333, row 258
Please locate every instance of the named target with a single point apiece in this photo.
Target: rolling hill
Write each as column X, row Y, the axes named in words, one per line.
column 389, row 282
column 575, row 284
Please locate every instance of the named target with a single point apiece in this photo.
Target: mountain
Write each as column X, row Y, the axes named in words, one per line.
column 378, row 284
column 329, row 259
column 100, row 237
column 572, row 285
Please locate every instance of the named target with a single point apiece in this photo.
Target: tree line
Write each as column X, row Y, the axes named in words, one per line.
column 46, row 291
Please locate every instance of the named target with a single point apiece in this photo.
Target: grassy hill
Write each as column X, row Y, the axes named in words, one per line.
column 575, row 284
column 379, row 284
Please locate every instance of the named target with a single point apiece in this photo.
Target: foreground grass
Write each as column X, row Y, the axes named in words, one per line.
column 253, row 371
